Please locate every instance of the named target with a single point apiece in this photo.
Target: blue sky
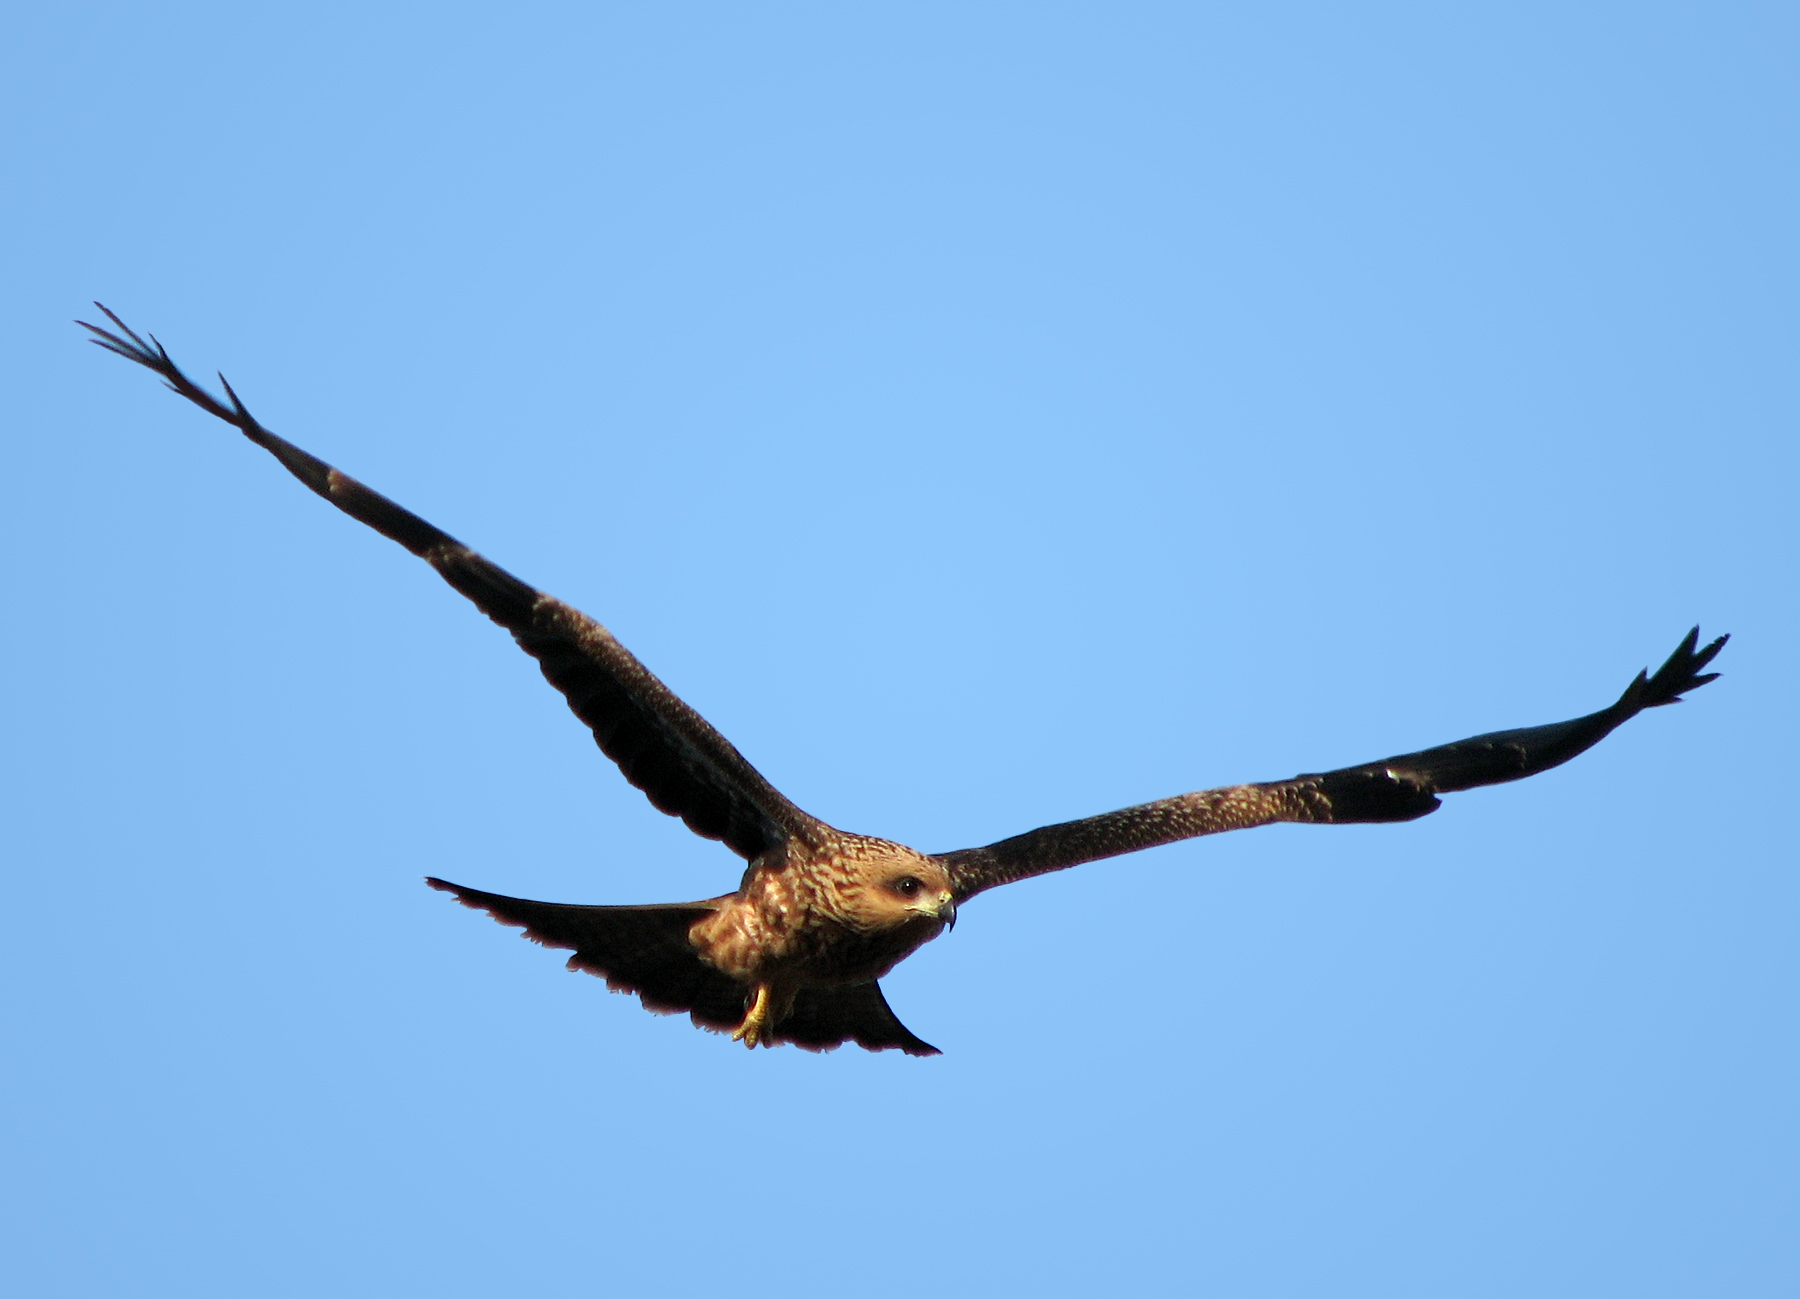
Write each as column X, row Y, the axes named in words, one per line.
column 985, row 415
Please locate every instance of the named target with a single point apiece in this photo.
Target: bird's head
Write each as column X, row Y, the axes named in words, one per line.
column 921, row 889
column 903, row 890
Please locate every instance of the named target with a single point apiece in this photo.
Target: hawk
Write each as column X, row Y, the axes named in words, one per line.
column 796, row 952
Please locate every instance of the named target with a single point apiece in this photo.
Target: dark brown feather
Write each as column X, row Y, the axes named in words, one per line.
column 1401, row 788
column 665, row 748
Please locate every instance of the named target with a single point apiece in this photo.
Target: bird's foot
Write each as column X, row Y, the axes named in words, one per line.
column 756, row 1025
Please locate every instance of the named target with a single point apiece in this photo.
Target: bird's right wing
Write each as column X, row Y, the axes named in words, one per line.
column 684, row 766
column 1402, row 788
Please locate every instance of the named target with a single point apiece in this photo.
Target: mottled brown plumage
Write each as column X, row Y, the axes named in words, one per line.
column 795, row 953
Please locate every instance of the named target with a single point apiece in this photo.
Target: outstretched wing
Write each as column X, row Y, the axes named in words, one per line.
column 1395, row 789
column 665, row 748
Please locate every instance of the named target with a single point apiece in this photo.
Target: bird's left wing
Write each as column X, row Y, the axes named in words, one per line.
column 684, row 766
column 1395, row 789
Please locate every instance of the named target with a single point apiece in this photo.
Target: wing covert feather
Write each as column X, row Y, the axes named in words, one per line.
column 1401, row 788
column 684, row 766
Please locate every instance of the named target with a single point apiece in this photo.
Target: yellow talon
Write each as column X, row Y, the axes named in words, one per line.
column 756, row 1020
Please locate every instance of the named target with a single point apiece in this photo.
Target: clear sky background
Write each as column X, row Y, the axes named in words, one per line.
column 985, row 414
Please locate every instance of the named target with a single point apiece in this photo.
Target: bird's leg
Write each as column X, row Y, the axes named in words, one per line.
column 756, row 1020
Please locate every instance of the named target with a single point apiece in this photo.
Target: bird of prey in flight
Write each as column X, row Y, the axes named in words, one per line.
column 794, row 953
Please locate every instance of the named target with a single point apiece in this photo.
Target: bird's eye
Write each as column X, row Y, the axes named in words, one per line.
column 907, row 887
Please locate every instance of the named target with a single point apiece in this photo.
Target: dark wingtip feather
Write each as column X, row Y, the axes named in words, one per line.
column 120, row 323
column 136, row 350
column 237, row 402
column 117, row 349
column 1679, row 674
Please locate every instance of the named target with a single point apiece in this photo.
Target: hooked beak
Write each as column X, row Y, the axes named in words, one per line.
column 947, row 913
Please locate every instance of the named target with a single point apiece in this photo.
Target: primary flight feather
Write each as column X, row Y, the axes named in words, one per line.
column 795, row 953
